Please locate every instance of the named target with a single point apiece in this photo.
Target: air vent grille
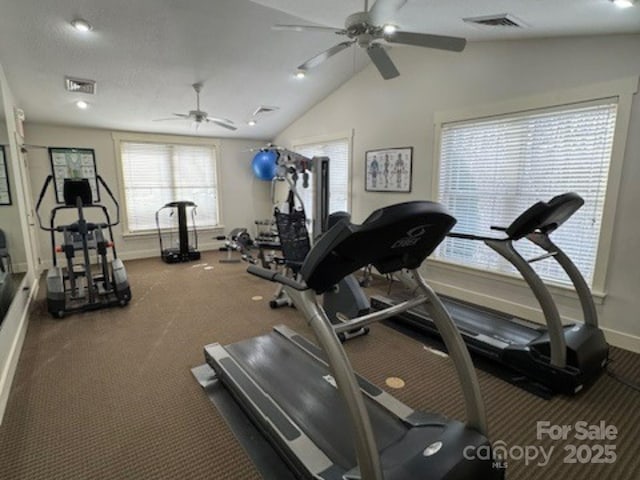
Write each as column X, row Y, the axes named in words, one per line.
column 80, row 85
column 262, row 109
column 501, row 20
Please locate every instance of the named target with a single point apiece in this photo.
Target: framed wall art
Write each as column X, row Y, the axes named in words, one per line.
column 388, row 170
column 73, row 163
column 5, row 191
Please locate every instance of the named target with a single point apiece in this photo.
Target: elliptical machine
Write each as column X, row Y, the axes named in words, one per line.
column 79, row 286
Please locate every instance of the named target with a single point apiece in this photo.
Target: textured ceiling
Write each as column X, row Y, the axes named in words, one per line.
column 543, row 18
column 145, row 54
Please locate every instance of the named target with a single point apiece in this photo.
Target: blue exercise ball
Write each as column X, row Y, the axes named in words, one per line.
column 264, row 164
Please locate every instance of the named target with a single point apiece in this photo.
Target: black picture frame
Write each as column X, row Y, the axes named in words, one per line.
column 5, row 185
column 70, row 162
column 388, row 170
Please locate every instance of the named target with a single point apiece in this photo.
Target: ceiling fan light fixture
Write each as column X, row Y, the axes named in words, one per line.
column 624, row 3
column 82, row 105
column 81, row 25
column 300, row 74
column 365, row 28
column 251, row 123
column 389, row 29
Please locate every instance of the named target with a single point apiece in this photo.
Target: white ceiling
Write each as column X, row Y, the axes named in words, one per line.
column 145, row 54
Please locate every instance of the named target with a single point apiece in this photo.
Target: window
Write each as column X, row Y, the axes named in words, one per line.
column 338, row 153
column 154, row 174
column 492, row 169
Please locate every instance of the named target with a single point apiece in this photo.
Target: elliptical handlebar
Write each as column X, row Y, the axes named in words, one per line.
column 113, row 199
column 109, row 224
column 40, row 198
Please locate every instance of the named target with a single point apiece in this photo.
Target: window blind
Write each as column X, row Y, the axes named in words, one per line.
column 338, row 153
column 156, row 173
column 493, row 169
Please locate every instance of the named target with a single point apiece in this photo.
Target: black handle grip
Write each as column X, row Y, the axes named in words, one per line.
column 469, row 236
column 274, row 276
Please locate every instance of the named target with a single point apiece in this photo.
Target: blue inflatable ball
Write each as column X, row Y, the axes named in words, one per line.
column 264, row 164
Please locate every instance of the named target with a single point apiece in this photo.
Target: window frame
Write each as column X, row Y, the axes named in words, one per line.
column 622, row 89
column 120, row 137
column 334, row 137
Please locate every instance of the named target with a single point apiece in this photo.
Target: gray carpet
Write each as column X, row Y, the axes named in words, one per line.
column 110, row 395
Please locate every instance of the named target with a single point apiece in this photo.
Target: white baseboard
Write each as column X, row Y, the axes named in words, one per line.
column 622, row 340
column 20, row 267
column 15, row 348
column 146, row 253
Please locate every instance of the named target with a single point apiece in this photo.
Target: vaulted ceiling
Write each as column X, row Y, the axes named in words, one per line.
column 145, row 54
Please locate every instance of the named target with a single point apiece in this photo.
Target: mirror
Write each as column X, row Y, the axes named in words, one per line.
column 13, row 258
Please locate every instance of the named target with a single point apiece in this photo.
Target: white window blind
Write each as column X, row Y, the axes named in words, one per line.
column 157, row 173
column 338, row 153
column 493, row 169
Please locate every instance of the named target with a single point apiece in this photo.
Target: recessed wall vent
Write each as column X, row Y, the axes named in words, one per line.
column 500, row 20
column 80, row 85
column 262, row 109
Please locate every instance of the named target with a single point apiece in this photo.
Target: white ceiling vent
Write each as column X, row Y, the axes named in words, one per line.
column 80, row 85
column 262, row 109
column 499, row 20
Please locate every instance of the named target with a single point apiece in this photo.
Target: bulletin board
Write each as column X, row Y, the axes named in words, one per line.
column 73, row 163
column 5, row 191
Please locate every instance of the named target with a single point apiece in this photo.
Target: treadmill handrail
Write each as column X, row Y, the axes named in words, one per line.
column 555, row 329
column 365, row 443
column 459, row 354
column 589, row 312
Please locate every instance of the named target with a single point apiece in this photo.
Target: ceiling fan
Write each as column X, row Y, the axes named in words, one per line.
column 369, row 27
column 198, row 116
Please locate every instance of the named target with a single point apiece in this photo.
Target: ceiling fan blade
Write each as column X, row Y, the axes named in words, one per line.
column 322, row 56
column 178, row 116
column 220, row 119
column 384, row 10
column 222, row 123
column 382, row 61
column 305, row 28
column 441, row 42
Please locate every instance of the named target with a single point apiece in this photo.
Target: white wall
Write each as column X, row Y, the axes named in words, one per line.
column 9, row 214
column 400, row 112
column 243, row 199
column 14, row 325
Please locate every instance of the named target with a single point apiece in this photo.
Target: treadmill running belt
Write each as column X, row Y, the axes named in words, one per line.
column 304, row 390
column 489, row 323
column 474, row 320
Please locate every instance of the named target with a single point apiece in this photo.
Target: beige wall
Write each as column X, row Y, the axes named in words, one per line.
column 9, row 214
column 400, row 112
column 14, row 324
column 242, row 198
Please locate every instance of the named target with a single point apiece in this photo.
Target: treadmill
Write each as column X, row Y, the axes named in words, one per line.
column 561, row 358
column 324, row 420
